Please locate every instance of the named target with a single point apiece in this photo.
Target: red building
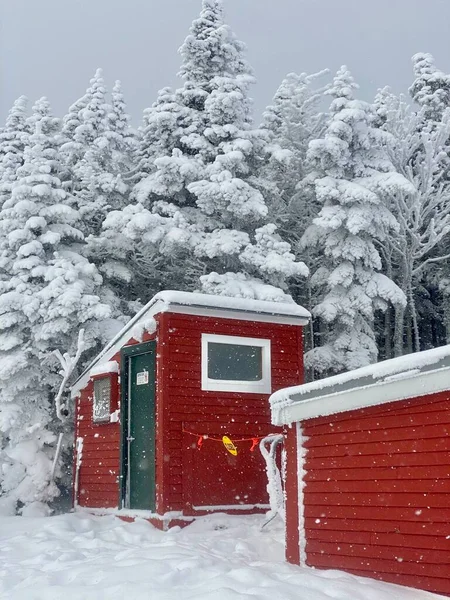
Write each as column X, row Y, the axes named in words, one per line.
column 368, row 471
column 153, row 408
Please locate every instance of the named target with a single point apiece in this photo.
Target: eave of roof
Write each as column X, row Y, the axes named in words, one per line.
column 411, row 376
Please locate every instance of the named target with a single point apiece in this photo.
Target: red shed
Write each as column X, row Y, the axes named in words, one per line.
column 153, row 408
column 368, row 471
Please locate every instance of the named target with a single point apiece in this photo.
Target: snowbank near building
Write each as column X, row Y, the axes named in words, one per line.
column 81, row 557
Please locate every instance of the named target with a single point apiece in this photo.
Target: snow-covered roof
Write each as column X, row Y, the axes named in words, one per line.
column 410, row 376
column 194, row 304
column 246, row 305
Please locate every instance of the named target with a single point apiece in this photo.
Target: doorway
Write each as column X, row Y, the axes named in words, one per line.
column 138, row 426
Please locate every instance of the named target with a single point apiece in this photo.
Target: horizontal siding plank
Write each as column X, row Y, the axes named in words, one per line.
column 380, row 513
column 362, row 423
column 400, row 499
column 433, row 584
column 438, row 402
column 89, row 478
column 99, row 456
column 204, row 397
column 438, row 530
column 192, row 338
column 94, row 462
column 396, row 460
column 383, row 486
column 98, row 499
column 106, row 437
column 376, row 565
column 93, row 445
column 379, row 435
column 418, row 556
column 185, row 322
column 382, row 448
column 234, row 413
column 100, row 470
column 233, row 428
column 392, row 540
column 382, row 473
column 214, row 397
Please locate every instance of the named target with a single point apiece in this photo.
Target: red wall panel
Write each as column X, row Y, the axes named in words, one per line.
column 189, row 408
column 377, row 493
column 185, row 475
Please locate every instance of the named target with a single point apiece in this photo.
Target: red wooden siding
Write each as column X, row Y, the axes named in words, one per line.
column 99, row 470
column 377, row 494
column 98, row 483
column 185, row 476
column 187, row 407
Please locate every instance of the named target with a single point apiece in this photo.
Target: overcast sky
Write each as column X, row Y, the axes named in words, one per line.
column 52, row 47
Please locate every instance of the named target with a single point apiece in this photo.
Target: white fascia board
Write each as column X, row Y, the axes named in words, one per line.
column 238, row 315
column 421, row 384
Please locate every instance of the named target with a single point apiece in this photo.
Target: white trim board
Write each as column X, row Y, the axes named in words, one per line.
column 232, row 507
column 247, row 315
column 382, row 392
column 301, row 454
column 263, row 386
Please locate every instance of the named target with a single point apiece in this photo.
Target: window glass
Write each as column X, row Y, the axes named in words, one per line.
column 102, row 399
column 234, row 362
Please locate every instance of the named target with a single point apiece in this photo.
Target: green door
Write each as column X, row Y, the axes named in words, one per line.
column 140, row 428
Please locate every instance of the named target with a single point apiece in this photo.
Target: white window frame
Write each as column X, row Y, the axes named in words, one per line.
column 105, row 418
column 264, row 386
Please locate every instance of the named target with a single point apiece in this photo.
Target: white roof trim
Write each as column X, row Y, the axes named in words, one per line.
column 198, row 304
column 418, row 384
column 240, row 315
column 149, row 310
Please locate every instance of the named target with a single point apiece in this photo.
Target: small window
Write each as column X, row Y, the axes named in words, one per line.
column 235, row 364
column 102, row 399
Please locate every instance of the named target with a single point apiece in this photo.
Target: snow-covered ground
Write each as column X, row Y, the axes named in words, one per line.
column 82, row 557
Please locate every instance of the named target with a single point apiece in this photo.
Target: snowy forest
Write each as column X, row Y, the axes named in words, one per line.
column 337, row 204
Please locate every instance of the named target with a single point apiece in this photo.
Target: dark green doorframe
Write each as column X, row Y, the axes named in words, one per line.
column 140, row 356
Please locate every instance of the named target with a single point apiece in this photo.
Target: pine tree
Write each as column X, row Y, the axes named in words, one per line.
column 81, row 127
column 12, row 143
column 353, row 175
column 293, row 119
column 105, row 189
column 200, row 209
column 49, row 292
column 431, row 88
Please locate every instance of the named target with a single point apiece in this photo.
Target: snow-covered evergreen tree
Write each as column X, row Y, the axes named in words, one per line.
column 106, row 159
column 13, row 138
column 83, row 124
column 49, row 292
column 105, row 188
column 293, row 119
column 431, row 87
column 200, row 209
column 355, row 174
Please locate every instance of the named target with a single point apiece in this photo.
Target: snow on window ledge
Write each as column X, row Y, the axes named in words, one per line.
column 105, row 368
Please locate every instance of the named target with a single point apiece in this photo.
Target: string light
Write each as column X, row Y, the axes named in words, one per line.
column 225, row 440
